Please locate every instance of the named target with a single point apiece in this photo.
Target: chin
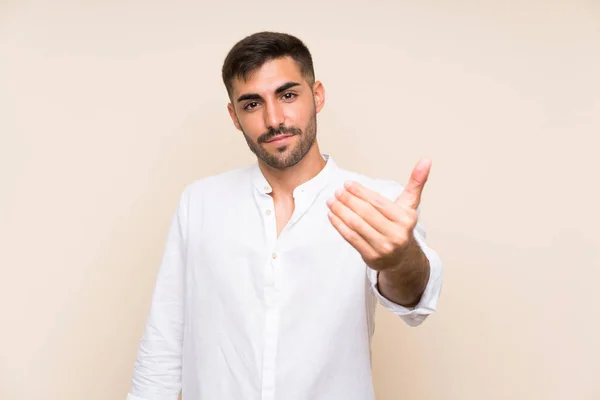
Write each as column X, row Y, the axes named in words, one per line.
column 281, row 149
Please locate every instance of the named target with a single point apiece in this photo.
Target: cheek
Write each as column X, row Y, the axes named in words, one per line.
column 299, row 114
column 252, row 125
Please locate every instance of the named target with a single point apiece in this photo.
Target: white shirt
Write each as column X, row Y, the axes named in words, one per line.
column 238, row 313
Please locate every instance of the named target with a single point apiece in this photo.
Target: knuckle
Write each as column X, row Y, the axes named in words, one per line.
column 409, row 218
column 353, row 222
column 387, row 248
column 413, row 214
column 398, row 239
column 352, row 236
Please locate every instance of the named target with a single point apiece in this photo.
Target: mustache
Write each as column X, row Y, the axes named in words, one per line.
column 282, row 130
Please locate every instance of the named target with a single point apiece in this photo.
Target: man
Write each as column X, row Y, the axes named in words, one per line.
column 271, row 273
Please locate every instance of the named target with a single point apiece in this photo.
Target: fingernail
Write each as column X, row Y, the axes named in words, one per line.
column 330, row 201
column 339, row 192
column 347, row 184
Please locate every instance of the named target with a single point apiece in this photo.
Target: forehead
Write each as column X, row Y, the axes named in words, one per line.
column 269, row 77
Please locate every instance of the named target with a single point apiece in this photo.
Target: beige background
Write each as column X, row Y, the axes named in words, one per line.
column 108, row 108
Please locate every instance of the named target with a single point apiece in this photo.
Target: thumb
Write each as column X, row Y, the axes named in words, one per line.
column 411, row 196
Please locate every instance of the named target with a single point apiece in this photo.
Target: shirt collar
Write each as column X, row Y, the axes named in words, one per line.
column 310, row 187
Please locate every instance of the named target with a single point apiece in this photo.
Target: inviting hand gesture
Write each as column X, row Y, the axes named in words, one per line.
column 378, row 228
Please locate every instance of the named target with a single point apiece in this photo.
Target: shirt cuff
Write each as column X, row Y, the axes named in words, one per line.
column 427, row 305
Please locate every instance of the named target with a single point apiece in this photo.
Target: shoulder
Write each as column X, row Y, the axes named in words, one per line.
column 217, row 185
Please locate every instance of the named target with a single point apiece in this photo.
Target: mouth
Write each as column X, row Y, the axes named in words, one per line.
column 279, row 139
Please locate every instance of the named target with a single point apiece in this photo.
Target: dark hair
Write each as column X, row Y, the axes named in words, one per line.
column 253, row 51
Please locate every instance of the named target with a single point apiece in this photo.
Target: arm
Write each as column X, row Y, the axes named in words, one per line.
column 157, row 369
column 415, row 314
column 405, row 282
column 405, row 273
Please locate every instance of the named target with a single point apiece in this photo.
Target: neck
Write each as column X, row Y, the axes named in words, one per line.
column 284, row 181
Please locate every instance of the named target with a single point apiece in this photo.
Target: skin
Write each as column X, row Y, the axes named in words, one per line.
column 276, row 101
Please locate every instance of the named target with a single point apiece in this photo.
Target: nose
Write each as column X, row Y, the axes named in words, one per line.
column 274, row 116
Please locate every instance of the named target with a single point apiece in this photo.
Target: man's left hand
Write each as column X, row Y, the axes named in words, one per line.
column 378, row 228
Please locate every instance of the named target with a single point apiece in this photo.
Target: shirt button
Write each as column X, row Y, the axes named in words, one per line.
column 268, row 212
column 274, row 256
column 266, row 188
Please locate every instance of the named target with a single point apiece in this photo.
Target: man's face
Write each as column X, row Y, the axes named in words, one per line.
column 276, row 109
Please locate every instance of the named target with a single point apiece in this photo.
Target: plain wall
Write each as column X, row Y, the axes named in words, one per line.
column 108, row 108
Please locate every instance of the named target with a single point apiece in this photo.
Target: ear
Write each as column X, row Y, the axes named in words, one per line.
column 319, row 95
column 233, row 116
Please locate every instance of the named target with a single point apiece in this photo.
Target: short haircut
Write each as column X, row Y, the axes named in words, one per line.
column 250, row 53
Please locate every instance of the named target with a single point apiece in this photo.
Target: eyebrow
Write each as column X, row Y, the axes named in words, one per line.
column 256, row 96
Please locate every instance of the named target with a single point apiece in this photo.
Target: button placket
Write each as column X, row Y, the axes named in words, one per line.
column 271, row 322
column 271, row 332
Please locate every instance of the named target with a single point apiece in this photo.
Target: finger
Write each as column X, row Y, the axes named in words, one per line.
column 360, row 244
column 376, row 200
column 411, row 196
column 355, row 222
column 368, row 212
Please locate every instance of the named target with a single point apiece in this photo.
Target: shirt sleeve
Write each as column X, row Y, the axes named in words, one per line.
column 157, row 368
column 428, row 303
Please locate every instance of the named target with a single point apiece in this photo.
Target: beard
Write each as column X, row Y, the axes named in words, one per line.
column 286, row 155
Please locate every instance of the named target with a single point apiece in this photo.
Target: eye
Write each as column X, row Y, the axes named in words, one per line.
column 289, row 96
column 251, row 105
